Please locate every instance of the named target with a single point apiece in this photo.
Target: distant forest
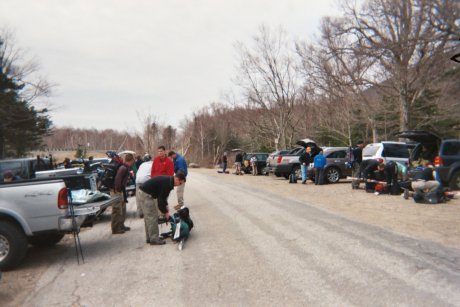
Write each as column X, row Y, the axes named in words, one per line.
column 380, row 68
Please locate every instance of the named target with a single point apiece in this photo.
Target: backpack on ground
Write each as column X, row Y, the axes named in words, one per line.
column 432, row 198
column 292, row 178
column 110, row 171
column 182, row 218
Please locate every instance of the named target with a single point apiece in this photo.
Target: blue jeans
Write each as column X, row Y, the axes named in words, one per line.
column 303, row 171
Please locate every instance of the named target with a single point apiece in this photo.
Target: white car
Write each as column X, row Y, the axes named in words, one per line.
column 388, row 151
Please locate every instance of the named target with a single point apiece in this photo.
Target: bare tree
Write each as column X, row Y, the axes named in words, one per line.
column 409, row 41
column 267, row 74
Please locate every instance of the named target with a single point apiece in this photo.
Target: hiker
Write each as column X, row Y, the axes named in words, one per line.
column 158, row 188
column 119, row 208
column 305, row 160
column 143, row 174
column 179, row 166
column 319, row 162
column 356, row 160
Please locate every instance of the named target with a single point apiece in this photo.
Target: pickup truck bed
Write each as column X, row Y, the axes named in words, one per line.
column 38, row 212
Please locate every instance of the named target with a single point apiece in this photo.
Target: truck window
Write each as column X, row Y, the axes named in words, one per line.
column 396, row 150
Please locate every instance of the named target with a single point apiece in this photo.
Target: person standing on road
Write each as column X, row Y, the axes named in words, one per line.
column 305, row 160
column 119, row 208
column 143, row 174
column 162, row 166
column 158, row 188
column 238, row 162
column 319, row 163
column 356, row 159
column 179, row 166
column 224, row 163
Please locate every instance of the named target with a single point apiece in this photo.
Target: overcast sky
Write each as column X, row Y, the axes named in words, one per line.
column 114, row 59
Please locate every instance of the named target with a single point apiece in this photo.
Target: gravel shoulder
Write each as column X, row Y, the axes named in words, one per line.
column 437, row 223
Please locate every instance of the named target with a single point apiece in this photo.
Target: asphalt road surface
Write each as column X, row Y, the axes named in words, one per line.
column 251, row 248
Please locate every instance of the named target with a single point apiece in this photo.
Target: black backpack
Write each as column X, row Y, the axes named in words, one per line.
column 432, row 198
column 110, row 171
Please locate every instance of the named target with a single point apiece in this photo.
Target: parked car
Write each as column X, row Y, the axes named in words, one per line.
column 336, row 166
column 261, row 162
column 289, row 163
column 445, row 155
column 387, row 151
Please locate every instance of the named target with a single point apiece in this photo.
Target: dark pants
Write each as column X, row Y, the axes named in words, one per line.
column 356, row 172
column 392, row 178
column 319, row 175
column 224, row 167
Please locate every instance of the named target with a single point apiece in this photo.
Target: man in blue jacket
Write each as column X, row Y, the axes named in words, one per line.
column 180, row 166
column 319, row 163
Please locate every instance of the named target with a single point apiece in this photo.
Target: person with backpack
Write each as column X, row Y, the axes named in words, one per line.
column 119, row 208
column 158, row 188
column 180, row 165
column 319, row 163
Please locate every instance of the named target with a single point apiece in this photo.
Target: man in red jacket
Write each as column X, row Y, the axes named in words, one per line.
column 162, row 165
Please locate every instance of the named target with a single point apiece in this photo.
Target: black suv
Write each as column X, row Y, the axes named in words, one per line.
column 444, row 154
column 260, row 161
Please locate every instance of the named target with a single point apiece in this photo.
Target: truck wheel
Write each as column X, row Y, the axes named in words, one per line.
column 455, row 181
column 13, row 245
column 277, row 174
column 46, row 240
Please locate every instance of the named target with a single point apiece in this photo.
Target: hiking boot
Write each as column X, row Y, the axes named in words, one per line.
column 126, row 228
column 157, row 241
column 118, row 231
column 141, row 216
column 406, row 194
column 304, row 181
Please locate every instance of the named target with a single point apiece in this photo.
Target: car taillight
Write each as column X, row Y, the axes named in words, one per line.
column 279, row 159
column 63, row 201
column 438, row 161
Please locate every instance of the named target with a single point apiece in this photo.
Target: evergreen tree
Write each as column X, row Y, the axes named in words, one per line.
column 21, row 125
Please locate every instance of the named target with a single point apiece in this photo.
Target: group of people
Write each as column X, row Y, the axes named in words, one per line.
column 319, row 162
column 155, row 179
column 392, row 177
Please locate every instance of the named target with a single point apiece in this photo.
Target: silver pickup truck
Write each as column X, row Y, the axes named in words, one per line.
column 38, row 212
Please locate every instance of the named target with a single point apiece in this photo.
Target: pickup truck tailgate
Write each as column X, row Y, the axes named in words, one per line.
column 84, row 212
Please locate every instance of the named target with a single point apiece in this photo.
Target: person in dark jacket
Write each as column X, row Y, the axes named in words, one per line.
column 356, row 159
column 305, row 159
column 370, row 168
column 224, row 163
column 119, row 208
column 158, row 188
column 238, row 162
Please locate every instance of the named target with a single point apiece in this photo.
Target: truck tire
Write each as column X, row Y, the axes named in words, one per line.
column 46, row 240
column 454, row 183
column 13, row 245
